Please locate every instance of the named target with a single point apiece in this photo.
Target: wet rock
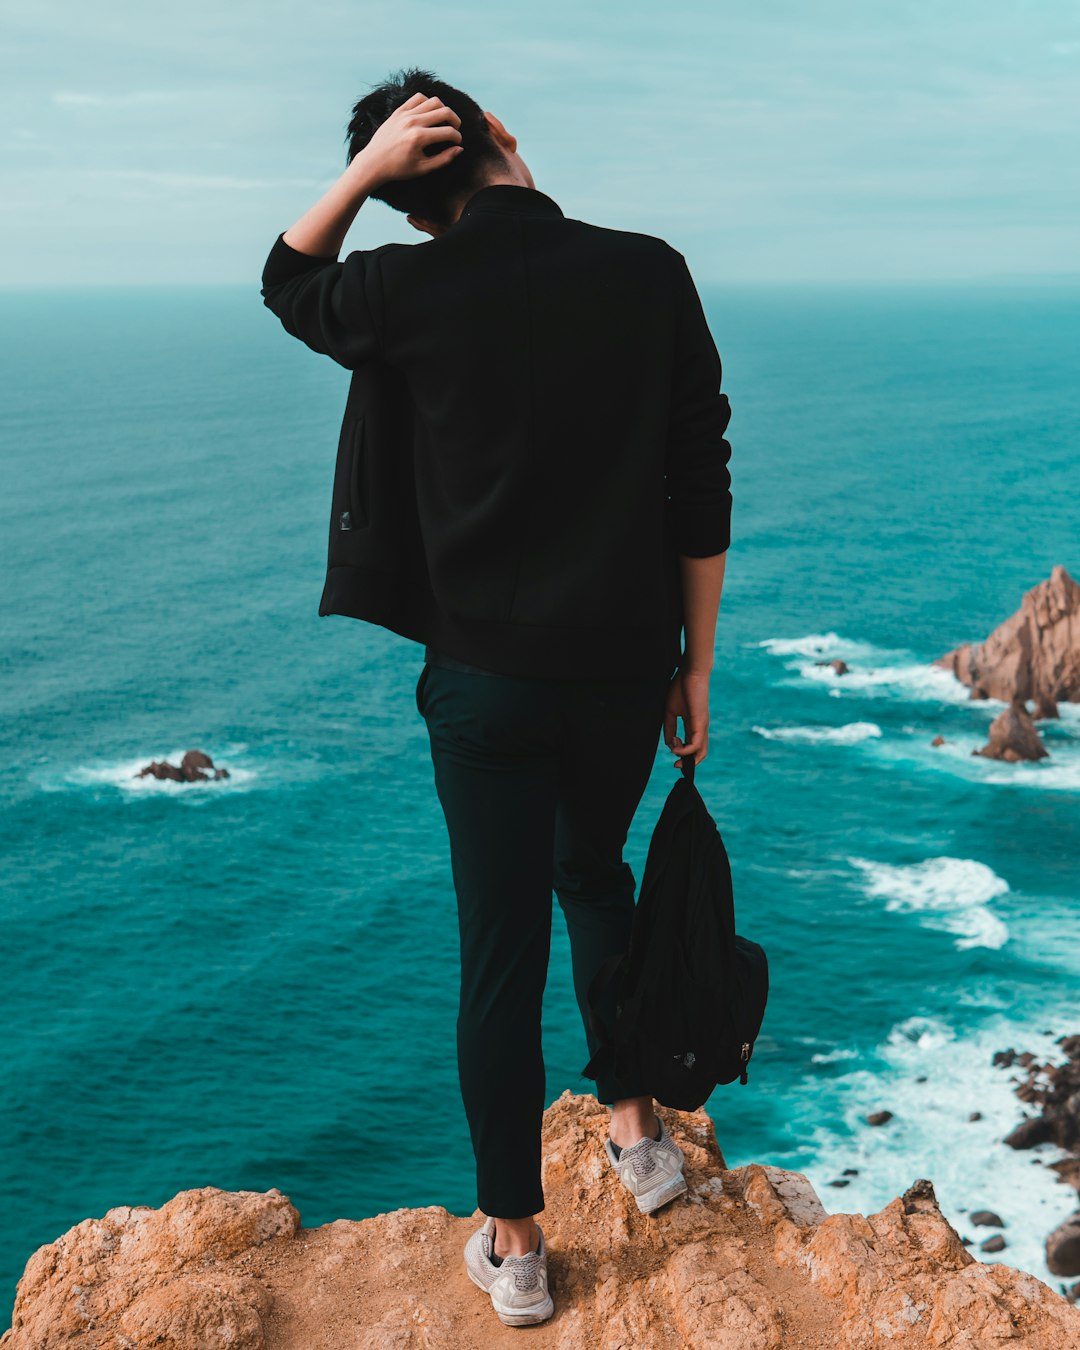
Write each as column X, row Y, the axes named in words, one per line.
column 1013, row 737
column 192, row 769
column 1063, row 1247
column 986, row 1218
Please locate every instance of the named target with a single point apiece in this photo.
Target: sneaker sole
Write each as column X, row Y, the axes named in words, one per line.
column 653, row 1200
column 517, row 1317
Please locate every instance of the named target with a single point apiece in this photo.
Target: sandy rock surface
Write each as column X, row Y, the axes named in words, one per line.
column 748, row 1259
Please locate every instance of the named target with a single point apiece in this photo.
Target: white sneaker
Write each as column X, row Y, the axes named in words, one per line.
column 518, row 1285
column 651, row 1169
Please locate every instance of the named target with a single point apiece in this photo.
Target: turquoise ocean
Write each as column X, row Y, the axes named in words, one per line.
column 252, row 983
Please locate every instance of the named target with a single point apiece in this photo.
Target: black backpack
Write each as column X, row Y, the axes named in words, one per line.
column 690, row 992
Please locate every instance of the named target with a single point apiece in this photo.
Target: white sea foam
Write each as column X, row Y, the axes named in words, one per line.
column 824, row 646
column 930, row 1134
column 872, row 671
column 1059, row 772
column 848, row 734
column 952, row 895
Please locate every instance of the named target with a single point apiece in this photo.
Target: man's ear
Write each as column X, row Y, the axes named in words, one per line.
column 425, row 226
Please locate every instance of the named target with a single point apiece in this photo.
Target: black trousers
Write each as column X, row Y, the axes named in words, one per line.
column 539, row 780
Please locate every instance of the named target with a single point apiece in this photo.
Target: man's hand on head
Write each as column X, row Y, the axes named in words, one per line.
column 420, row 135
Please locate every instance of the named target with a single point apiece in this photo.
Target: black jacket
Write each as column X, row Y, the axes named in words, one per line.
column 534, row 431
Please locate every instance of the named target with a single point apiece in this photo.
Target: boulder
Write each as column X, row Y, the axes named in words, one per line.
column 1013, row 736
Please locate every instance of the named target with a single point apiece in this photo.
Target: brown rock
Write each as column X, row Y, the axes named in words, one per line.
column 878, row 1117
column 1054, row 1089
column 938, row 740
column 192, row 769
column 986, row 1218
column 1063, row 1247
column 1013, row 736
column 1035, row 654
column 161, row 768
column 143, row 1276
column 748, row 1259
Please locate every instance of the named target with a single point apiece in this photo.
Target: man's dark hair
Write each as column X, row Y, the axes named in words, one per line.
column 430, row 196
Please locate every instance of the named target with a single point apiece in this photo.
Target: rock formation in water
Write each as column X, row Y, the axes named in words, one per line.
column 747, row 1259
column 192, row 769
column 1054, row 1090
column 1034, row 655
column 1013, row 736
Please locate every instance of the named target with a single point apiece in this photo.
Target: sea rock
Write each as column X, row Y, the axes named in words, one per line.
column 986, row 1218
column 938, row 740
column 1063, row 1247
column 1054, row 1090
column 1035, row 654
column 1013, row 736
column 191, row 769
column 747, row 1259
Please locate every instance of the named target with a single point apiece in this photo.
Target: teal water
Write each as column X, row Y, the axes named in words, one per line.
column 253, row 983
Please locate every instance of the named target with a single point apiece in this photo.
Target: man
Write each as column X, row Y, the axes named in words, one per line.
column 546, row 508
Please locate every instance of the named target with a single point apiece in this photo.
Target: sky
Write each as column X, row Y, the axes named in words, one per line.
column 769, row 140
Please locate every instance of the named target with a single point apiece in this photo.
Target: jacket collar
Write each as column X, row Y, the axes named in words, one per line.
column 510, row 197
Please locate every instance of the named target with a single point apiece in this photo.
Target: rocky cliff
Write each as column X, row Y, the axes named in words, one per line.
column 1034, row 655
column 748, row 1259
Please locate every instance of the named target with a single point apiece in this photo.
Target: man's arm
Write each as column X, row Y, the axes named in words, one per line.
column 702, row 583
column 335, row 307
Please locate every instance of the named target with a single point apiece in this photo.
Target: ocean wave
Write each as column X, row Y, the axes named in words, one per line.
column 1059, row 772
column 951, row 895
column 932, row 1078
column 871, row 670
column 822, row 645
column 848, row 734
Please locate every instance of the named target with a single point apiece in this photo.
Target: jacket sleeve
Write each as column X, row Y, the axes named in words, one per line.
column 698, row 480
column 333, row 306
